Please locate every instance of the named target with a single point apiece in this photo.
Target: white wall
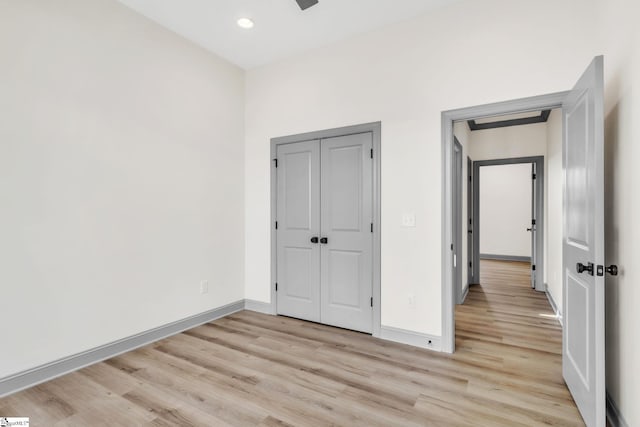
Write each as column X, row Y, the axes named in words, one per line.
column 619, row 40
column 505, row 210
column 553, row 207
column 462, row 132
column 121, row 178
column 506, row 143
column 405, row 76
column 509, row 142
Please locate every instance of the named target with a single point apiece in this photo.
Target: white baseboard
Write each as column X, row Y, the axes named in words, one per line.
column 499, row 257
column 49, row 371
column 416, row 339
column 554, row 306
column 464, row 295
column 259, row 306
column 614, row 416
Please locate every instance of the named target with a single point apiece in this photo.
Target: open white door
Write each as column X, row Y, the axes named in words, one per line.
column 583, row 365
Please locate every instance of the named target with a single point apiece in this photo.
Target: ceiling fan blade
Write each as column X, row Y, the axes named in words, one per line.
column 305, row 4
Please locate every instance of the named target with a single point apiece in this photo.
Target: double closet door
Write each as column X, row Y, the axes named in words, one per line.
column 324, row 235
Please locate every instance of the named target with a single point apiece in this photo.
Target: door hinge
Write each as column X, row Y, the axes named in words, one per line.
column 470, row 265
column 372, row 227
column 276, row 225
column 276, row 286
column 371, row 153
column 533, row 267
column 452, row 246
column 275, row 161
column 470, row 178
column 534, row 176
column 533, row 222
column 371, row 301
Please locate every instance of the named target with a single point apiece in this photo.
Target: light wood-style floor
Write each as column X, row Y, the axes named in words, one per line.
column 255, row 370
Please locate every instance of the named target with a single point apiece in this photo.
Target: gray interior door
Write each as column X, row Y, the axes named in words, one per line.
column 583, row 245
column 534, row 224
column 298, row 213
column 470, row 278
column 347, row 232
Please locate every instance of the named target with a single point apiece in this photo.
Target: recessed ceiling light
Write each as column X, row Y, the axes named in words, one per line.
column 245, row 23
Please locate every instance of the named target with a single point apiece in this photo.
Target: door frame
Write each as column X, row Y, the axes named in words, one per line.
column 469, row 221
column 375, row 128
column 540, row 225
column 456, row 217
column 541, row 102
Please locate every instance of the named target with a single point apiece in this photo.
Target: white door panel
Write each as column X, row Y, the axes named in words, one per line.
column 325, row 190
column 298, row 213
column 583, row 244
column 346, row 216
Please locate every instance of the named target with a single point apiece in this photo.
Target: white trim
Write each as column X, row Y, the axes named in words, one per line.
column 259, row 306
column 614, row 416
column 415, row 339
column 499, row 257
column 49, row 371
column 554, row 306
column 465, row 293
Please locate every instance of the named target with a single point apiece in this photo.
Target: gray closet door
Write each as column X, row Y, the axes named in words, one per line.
column 346, row 216
column 298, row 213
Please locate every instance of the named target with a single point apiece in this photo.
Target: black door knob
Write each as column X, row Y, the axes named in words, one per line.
column 314, row 239
column 612, row 270
column 324, row 240
column 581, row 268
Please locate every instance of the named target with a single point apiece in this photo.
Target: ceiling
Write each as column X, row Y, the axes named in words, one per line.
column 281, row 28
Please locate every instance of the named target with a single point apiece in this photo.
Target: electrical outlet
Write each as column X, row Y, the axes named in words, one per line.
column 204, row 287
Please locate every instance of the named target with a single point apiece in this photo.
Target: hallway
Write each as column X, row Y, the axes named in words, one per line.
column 507, row 322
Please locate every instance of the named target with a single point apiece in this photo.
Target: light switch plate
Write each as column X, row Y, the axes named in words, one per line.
column 409, row 220
column 204, row 287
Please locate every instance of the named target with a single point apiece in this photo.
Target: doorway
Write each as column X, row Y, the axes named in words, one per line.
column 326, row 229
column 526, row 105
column 583, row 268
column 522, row 231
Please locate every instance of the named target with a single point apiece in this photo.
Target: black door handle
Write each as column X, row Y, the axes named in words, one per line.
column 314, row 239
column 324, row 240
column 612, row 270
column 581, row 268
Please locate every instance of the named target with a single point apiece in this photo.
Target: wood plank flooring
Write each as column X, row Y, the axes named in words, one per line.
column 250, row 369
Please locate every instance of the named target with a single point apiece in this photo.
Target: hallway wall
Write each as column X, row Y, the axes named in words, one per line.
column 505, row 210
